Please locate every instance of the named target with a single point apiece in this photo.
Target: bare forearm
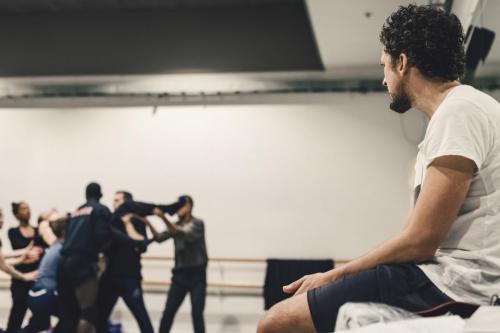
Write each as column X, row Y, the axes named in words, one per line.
column 403, row 248
column 14, row 261
column 48, row 237
column 171, row 227
column 14, row 253
column 10, row 270
column 155, row 232
column 132, row 233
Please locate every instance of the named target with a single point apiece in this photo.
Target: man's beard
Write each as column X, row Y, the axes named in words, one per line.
column 401, row 102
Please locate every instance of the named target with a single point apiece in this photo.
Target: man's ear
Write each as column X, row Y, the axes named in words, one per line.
column 402, row 65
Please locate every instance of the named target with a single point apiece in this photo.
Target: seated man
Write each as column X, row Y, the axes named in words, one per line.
column 450, row 246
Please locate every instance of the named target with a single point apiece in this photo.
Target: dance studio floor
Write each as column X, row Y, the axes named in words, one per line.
column 224, row 314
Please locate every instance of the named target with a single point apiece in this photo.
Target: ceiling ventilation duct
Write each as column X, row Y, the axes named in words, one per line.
column 93, row 38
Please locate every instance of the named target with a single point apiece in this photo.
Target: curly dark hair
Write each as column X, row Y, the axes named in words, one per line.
column 432, row 39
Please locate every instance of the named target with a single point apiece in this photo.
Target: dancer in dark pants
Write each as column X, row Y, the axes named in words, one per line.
column 122, row 277
column 87, row 232
column 189, row 272
column 42, row 300
column 21, row 237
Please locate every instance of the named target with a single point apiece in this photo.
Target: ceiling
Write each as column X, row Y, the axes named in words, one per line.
column 58, row 6
column 347, row 31
column 335, row 48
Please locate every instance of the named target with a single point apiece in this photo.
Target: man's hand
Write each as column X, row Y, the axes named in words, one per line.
column 30, row 260
column 312, row 281
column 158, row 212
column 127, row 218
column 50, row 215
column 31, row 276
column 37, row 250
column 54, row 215
column 33, row 255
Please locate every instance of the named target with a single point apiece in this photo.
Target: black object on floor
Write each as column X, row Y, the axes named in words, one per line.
column 282, row 272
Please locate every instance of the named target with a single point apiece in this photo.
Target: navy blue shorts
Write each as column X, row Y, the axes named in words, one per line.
column 401, row 285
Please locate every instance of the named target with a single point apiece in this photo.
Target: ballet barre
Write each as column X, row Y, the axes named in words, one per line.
column 225, row 259
column 166, row 283
column 219, row 285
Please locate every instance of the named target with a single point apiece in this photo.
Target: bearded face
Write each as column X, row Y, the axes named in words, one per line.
column 401, row 101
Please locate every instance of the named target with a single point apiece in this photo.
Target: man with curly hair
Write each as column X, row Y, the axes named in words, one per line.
column 449, row 248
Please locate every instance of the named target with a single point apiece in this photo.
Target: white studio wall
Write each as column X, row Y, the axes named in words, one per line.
column 327, row 179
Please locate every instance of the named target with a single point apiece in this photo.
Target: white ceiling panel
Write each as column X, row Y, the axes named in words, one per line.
column 347, row 31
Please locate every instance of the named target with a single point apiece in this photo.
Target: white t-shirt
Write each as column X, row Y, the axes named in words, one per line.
column 467, row 264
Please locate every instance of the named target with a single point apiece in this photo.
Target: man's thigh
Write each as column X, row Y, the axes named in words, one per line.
column 325, row 302
column 402, row 285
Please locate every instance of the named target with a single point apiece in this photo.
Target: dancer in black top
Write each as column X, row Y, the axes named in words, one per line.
column 20, row 238
column 122, row 277
column 8, row 260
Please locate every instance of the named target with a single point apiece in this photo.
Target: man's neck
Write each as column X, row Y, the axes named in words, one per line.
column 428, row 95
column 187, row 219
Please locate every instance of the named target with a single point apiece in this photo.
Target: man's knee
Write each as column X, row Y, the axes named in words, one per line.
column 270, row 323
column 291, row 315
column 276, row 321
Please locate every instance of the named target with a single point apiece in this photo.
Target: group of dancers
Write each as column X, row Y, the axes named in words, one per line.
column 75, row 266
